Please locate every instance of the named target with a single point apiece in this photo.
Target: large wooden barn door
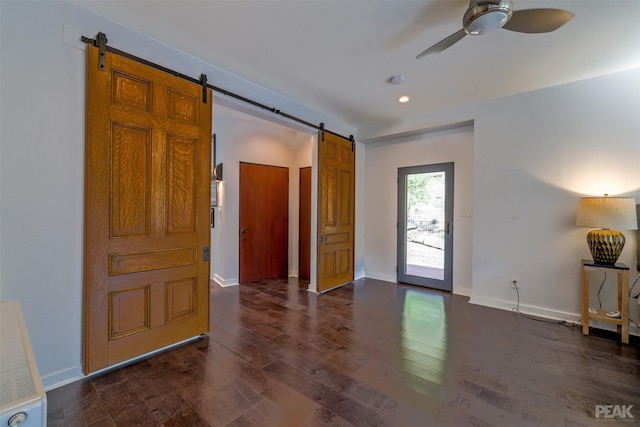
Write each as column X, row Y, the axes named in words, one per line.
column 147, row 192
column 336, row 211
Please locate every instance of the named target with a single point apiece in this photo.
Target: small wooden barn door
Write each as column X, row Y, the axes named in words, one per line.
column 147, row 192
column 336, row 211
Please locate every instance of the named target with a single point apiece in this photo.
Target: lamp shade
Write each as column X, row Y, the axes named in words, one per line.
column 607, row 212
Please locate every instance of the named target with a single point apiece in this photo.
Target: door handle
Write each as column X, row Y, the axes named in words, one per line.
column 244, row 231
column 448, row 227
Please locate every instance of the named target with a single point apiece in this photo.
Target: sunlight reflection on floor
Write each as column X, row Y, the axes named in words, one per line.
column 424, row 336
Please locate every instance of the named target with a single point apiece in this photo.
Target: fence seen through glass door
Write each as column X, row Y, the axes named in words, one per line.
column 425, row 225
column 424, row 232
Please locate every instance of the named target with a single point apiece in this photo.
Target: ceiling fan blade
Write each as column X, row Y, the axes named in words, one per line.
column 537, row 20
column 443, row 44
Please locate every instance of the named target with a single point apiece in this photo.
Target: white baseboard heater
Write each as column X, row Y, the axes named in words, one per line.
column 23, row 401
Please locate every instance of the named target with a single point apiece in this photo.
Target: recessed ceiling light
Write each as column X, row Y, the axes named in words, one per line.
column 403, row 99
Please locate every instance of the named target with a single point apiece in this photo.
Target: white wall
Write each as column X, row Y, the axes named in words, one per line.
column 382, row 163
column 254, row 141
column 535, row 155
column 42, row 80
column 360, row 214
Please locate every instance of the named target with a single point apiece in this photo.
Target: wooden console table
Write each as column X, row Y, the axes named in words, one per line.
column 622, row 271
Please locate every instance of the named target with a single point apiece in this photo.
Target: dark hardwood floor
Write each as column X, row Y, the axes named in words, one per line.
column 368, row 354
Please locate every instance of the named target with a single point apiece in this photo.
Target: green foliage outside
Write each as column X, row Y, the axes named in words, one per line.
column 425, row 188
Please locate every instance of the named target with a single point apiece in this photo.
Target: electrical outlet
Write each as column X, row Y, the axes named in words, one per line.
column 514, row 282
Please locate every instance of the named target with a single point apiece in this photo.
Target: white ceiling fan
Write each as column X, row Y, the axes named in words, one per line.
column 484, row 16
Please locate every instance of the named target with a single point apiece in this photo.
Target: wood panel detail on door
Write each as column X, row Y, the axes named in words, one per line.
column 147, row 183
column 264, row 222
column 336, row 211
column 304, row 232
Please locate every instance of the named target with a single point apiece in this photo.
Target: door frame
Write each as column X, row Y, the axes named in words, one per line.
column 447, row 283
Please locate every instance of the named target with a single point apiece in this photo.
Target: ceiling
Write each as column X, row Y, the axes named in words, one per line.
column 336, row 56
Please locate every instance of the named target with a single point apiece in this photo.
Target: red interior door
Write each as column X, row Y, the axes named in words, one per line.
column 304, row 233
column 264, row 222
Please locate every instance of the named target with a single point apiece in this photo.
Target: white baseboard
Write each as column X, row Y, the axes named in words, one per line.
column 224, row 283
column 74, row 373
column 62, row 377
column 525, row 308
column 547, row 313
column 381, row 276
column 465, row 292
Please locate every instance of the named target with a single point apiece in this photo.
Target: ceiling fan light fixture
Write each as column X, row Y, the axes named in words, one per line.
column 487, row 17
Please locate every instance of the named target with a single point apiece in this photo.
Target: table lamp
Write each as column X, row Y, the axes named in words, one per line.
column 608, row 213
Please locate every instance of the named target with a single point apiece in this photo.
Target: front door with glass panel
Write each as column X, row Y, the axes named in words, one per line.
column 425, row 220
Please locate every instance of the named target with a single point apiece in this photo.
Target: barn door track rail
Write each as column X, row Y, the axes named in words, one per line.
column 101, row 43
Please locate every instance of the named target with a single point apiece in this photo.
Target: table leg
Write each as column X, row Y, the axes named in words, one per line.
column 585, row 300
column 623, row 286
